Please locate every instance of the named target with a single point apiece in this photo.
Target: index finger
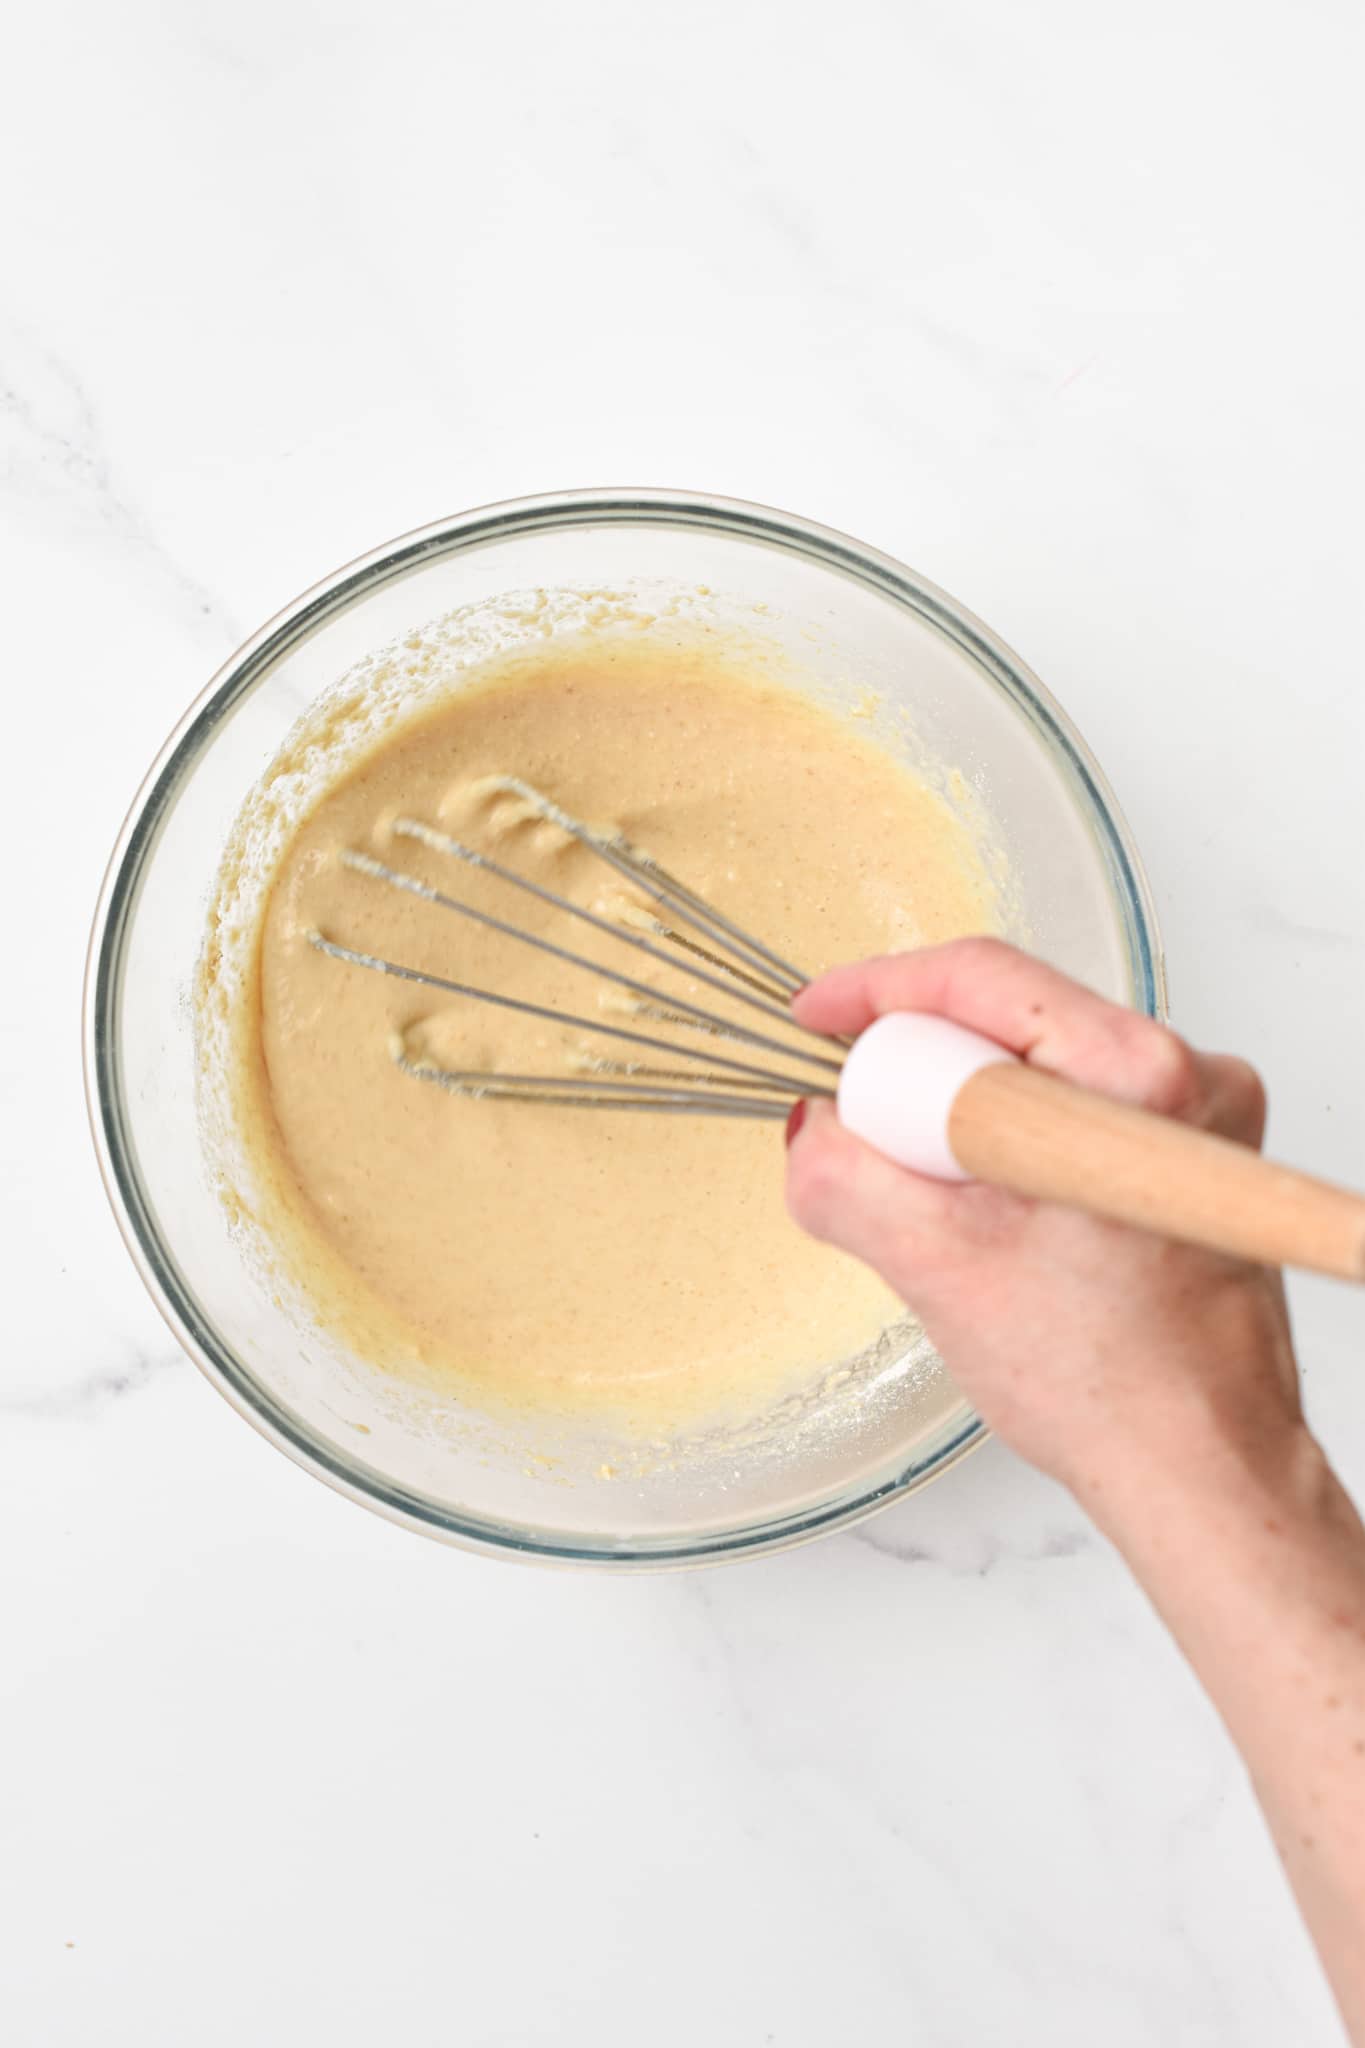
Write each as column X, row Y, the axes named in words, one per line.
column 1018, row 1001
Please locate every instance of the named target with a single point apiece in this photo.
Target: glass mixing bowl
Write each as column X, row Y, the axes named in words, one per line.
column 836, row 619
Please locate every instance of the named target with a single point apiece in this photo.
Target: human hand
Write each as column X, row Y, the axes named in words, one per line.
column 1080, row 1342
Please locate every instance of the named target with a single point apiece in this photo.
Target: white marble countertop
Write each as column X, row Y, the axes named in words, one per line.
column 1056, row 304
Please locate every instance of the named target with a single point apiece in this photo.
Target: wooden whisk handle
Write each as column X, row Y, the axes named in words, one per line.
column 945, row 1101
column 1028, row 1131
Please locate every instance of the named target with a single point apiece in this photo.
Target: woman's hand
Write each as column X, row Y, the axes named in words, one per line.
column 1156, row 1381
column 1077, row 1340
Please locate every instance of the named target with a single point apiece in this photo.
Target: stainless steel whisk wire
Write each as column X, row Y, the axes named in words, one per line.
column 721, row 956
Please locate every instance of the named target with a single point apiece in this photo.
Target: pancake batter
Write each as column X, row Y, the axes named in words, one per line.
column 635, row 1268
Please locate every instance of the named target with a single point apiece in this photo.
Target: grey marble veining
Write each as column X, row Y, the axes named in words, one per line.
column 1054, row 303
column 51, row 443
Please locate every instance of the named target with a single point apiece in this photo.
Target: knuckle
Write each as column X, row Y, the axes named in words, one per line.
column 1246, row 1094
column 1169, row 1069
column 972, row 963
column 979, row 950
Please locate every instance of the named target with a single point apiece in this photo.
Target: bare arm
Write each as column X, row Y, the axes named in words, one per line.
column 1155, row 1381
column 1258, row 1569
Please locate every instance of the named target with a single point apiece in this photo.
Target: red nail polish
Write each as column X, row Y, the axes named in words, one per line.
column 795, row 1120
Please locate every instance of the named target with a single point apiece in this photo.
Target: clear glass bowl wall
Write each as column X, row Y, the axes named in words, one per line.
column 851, row 622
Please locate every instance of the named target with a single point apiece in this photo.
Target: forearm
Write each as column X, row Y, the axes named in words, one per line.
column 1255, row 1558
column 1156, row 1380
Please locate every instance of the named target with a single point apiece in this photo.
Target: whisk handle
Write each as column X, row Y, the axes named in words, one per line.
column 947, row 1102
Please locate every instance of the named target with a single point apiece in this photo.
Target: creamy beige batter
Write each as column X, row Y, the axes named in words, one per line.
column 638, row 1269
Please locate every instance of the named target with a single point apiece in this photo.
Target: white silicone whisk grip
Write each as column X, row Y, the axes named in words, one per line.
column 900, row 1081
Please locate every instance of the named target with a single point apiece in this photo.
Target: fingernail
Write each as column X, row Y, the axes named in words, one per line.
column 795, row 1120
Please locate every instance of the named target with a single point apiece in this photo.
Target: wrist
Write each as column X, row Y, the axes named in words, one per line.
column 1251, row 1565
column 1207, row 1483
column 1203, row 1407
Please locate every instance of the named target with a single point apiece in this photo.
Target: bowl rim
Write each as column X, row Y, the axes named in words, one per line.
column 160, row 789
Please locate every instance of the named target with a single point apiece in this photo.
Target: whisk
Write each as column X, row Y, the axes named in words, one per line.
column 928, row 1093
